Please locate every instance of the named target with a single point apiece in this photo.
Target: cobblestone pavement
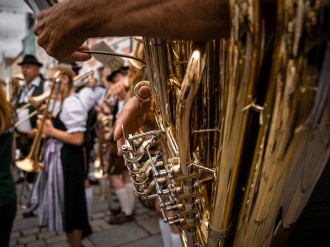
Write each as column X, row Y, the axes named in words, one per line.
column 143, row 231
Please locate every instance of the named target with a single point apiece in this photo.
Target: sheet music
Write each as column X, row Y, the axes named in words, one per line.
column 107, row 61
column 38, row 5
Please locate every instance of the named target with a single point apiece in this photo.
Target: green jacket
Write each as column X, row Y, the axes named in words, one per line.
column 7, row 186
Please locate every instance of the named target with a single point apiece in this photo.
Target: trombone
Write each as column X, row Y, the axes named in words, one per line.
column 80, row 80
column 35, row 101
column 31, row 162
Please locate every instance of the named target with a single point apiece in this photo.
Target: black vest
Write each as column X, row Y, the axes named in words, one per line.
column 36, row 91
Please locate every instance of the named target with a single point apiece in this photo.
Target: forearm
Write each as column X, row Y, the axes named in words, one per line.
column 76, row 138
column 184, row 19
column 63, row 28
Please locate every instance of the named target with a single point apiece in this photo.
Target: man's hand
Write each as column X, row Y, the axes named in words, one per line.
column 58, row 33
column 132, row 117
column 47, row 127
column 118, row 91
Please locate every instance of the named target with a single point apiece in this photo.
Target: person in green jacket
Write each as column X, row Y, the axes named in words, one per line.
column 8, row 198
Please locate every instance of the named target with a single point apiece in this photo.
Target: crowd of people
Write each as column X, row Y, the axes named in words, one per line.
column 70, row 140
column 71, row 122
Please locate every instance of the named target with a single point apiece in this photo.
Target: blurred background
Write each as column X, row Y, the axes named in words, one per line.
column 17, row 39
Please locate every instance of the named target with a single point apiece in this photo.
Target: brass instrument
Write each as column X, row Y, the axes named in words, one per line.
column 105, row 126
column 137, row 70
column 18, row 123
column 31, row 162
column 243, row 125
column 138, row 52
column 81, row 80
column 11, row 87
column 37, row 101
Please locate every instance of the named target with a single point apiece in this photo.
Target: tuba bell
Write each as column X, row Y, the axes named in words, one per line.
column 243, row 125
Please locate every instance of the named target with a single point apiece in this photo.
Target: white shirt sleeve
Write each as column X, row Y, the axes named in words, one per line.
column 87, row 98
column 74, row 115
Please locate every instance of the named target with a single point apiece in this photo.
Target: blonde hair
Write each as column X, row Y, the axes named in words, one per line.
column 67, row 70
column 5, row 112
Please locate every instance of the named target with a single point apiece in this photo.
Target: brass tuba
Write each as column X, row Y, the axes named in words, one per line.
column 243, row 125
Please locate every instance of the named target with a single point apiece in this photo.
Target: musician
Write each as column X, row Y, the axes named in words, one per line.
column 118, row 174
column 34, row 85
column 202, row 20
column 8, row 201
column 96, row 88
column 86, row 94
column 64, row 163
column 88, row 135
column 74, row 66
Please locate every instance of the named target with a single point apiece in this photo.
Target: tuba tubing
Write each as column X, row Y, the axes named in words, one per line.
column 256, row 154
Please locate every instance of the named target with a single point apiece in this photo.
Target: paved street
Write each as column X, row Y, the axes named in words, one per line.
column 143, row 231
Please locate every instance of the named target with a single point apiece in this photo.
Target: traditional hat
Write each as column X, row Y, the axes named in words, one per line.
column 114, row 72
column 30, row 59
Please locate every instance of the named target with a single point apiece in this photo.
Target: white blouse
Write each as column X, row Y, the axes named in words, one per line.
column 75, row 110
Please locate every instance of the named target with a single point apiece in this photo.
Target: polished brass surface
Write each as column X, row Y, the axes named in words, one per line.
column 243, row 125
column 138, row 52
column 11, row 87
column 18, row 123
column 181, row 173
column 292, row 146
column 81, row 80
column 38, row 100
column 35, row 101
column 104, row 128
